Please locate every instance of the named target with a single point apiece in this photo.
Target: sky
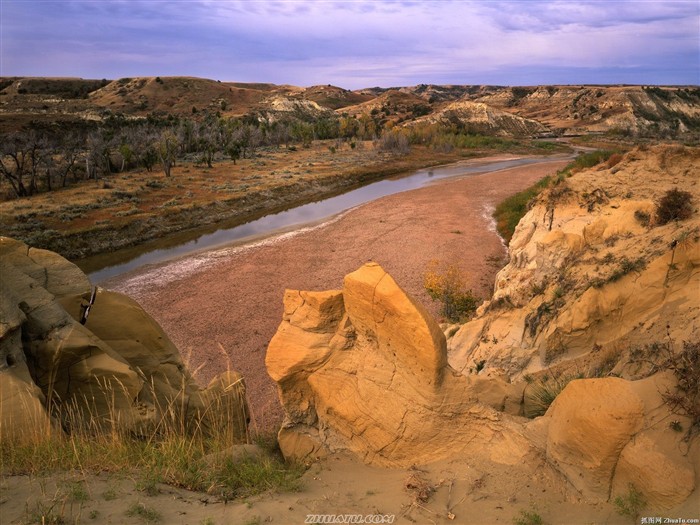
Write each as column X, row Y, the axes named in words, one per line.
column 357, row 43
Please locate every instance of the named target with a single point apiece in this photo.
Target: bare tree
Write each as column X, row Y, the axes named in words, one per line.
column 65, row 154
column 167, row 147
column 13, row 162
column 98, row 157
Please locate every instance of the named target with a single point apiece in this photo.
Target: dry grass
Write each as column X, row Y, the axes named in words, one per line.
column 172, row 451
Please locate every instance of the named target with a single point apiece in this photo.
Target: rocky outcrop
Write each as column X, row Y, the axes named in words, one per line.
column 591, row 422
column 590, row 273
column 480, row 118
column 365, row 369
column 117, row 369
column 631, row 110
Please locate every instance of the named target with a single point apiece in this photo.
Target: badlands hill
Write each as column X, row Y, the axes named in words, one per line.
column 536, row 110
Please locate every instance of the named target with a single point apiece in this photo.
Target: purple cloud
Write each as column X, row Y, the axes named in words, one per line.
column 357, row 43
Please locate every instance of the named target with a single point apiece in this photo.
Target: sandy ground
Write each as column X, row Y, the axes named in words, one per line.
column 221, row 308
column 460, row 491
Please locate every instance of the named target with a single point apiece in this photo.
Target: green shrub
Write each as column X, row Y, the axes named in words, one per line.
column 528, row 518
column 509, row 212
column 448, row 284
column 630, row 504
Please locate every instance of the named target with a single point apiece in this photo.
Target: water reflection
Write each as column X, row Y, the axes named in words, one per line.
column 110, row 265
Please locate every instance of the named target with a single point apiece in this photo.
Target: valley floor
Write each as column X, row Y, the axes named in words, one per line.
column 127, row 209
column 221, row 308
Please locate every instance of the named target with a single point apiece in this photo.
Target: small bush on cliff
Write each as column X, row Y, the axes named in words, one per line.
column 685, row 399
column 675, row 205
column 448, row 284
column 630, row 504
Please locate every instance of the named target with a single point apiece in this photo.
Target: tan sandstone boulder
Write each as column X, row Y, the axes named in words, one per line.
column 657, row 468
column 118, row 369
column 366, row 370
column 592, row 420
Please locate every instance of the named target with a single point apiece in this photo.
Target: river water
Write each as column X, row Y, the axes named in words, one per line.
column 111, row 265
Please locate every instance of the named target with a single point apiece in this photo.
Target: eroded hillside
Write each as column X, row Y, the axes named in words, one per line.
column 593, row 276
column 533, row 110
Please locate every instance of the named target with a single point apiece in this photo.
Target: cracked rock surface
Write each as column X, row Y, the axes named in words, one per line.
column 364, row 369
column 119, row 368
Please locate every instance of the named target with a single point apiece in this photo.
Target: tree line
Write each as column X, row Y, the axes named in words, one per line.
column 37, row 160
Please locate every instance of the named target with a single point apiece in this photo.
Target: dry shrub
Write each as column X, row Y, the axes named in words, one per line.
column 675, row 205
column 614, row 160
column 394, row 141
column 419, row 488
column 685, row 400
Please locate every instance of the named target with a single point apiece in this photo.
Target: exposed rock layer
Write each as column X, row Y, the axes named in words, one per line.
column 591, row 275
column 364, row 369
column 118, row 368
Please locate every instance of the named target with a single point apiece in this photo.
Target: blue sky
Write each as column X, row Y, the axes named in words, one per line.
column 356, row 44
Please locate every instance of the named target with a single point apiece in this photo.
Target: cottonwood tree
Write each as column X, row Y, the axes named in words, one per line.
column 302, row 132
column 142, row 143
column 65, row 154
column 99, row 155
column 167, row 147
column 23, row 158
column 348, row 127
column 326, row 128
column 211, row 138
column 13, row 162
column 279, row 134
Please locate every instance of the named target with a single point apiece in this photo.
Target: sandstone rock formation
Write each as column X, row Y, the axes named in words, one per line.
column 590, row 273
column 481, row 118
column 591, row 421
column 118, row 368
column 365, row 369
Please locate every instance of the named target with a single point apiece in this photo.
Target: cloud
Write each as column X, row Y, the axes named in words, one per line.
column 356, row 43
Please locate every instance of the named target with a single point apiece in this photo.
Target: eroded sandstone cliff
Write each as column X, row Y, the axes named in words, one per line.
column 593, row 283
column 591, row 277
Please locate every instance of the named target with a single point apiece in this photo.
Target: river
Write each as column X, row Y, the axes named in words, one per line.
column 107, row 266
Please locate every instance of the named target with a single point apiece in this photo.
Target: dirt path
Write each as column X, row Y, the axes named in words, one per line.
column 223, row 307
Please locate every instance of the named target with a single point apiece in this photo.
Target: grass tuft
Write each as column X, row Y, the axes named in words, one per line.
column 630, row 504
column 186, row 456
column 147, row 514
column 545, row 391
